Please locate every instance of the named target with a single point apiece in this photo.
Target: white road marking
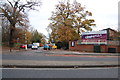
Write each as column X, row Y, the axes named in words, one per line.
column 57, row 68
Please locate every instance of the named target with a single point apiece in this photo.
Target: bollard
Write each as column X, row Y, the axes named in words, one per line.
column 26, row 47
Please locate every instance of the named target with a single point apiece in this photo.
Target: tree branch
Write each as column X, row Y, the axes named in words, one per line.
column 10, row 3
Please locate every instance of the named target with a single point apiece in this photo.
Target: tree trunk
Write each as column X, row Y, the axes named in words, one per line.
column 78, row 31
column 11, row 43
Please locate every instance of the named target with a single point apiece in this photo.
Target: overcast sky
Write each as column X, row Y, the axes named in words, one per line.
column 105, row 14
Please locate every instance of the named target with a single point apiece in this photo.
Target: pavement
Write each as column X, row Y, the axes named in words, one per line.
column 61, row 64
column 81, row 53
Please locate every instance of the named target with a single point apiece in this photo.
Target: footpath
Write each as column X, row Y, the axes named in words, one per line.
column 81, row 53
column 56, row 64
column 61, row 64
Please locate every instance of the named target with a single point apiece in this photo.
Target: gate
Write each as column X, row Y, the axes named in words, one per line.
column 97, row 48
column 111, row 50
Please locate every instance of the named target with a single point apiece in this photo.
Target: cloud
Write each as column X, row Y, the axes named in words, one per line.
column 105, row 13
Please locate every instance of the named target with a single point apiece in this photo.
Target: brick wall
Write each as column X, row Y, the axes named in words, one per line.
column 90, row 48
column 116, row 47
column 77, row 47
column 103, row 48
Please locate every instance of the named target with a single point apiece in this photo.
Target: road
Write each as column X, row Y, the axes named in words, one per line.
column 45, row 55
column 42, row 57
column 60, row 73
column 47, row 58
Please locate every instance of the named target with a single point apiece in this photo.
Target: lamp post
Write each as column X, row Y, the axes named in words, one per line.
column 1, row 19
column 1, row 25
column 25, row 41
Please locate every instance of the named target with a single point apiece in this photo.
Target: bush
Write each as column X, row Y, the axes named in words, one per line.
column 62, row 45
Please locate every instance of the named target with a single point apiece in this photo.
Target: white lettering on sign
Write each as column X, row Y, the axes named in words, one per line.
column 92, row 36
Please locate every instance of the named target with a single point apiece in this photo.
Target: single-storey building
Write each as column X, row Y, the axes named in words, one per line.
column 105, row 41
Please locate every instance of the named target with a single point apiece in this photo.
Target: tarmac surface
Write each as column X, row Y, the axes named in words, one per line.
column 59, row 64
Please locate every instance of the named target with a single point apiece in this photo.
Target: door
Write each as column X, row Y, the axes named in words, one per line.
column 97, row 48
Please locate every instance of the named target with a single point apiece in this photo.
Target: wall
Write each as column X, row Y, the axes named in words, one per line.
column 78, row 47
column 111, row 42
column 90, row 48
column 112, row 46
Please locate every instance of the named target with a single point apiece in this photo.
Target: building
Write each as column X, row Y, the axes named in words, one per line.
column 105, row 41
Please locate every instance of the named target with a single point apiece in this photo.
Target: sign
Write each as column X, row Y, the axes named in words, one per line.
column 96, row 37
column 72, row 44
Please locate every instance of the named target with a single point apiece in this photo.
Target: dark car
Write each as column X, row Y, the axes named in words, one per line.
column 29, row 45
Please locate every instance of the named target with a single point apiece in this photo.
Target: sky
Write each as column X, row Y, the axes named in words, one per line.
column 105, row 14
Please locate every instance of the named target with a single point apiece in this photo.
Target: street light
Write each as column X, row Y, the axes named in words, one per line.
column 1, row 19
column 1, row 25
column 25, row 41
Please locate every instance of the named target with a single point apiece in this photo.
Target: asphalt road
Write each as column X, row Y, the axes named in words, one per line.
column 45, row 56
column 41, row 55
column 60, row 73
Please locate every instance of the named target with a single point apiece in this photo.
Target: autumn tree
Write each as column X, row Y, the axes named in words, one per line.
column 37, row 37
column 15, row 12
column 69, row 20
column 22, row 36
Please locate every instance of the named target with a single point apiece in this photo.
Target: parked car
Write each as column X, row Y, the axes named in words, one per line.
column 22, row 46
column 46, row 47
column 54, row 46
column 34, row 47
column 38, row 44
column 29, row 45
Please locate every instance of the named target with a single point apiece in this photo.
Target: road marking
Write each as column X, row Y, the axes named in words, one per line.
column 81, row 56
column 56, row 68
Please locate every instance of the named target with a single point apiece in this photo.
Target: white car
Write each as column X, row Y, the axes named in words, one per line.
column 38, row 44
column 34, row 46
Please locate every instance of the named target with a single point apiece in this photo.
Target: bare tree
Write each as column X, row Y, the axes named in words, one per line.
column 15, row 12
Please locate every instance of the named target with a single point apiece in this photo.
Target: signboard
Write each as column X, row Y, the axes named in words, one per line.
column 97, row 37
column 72, row 44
